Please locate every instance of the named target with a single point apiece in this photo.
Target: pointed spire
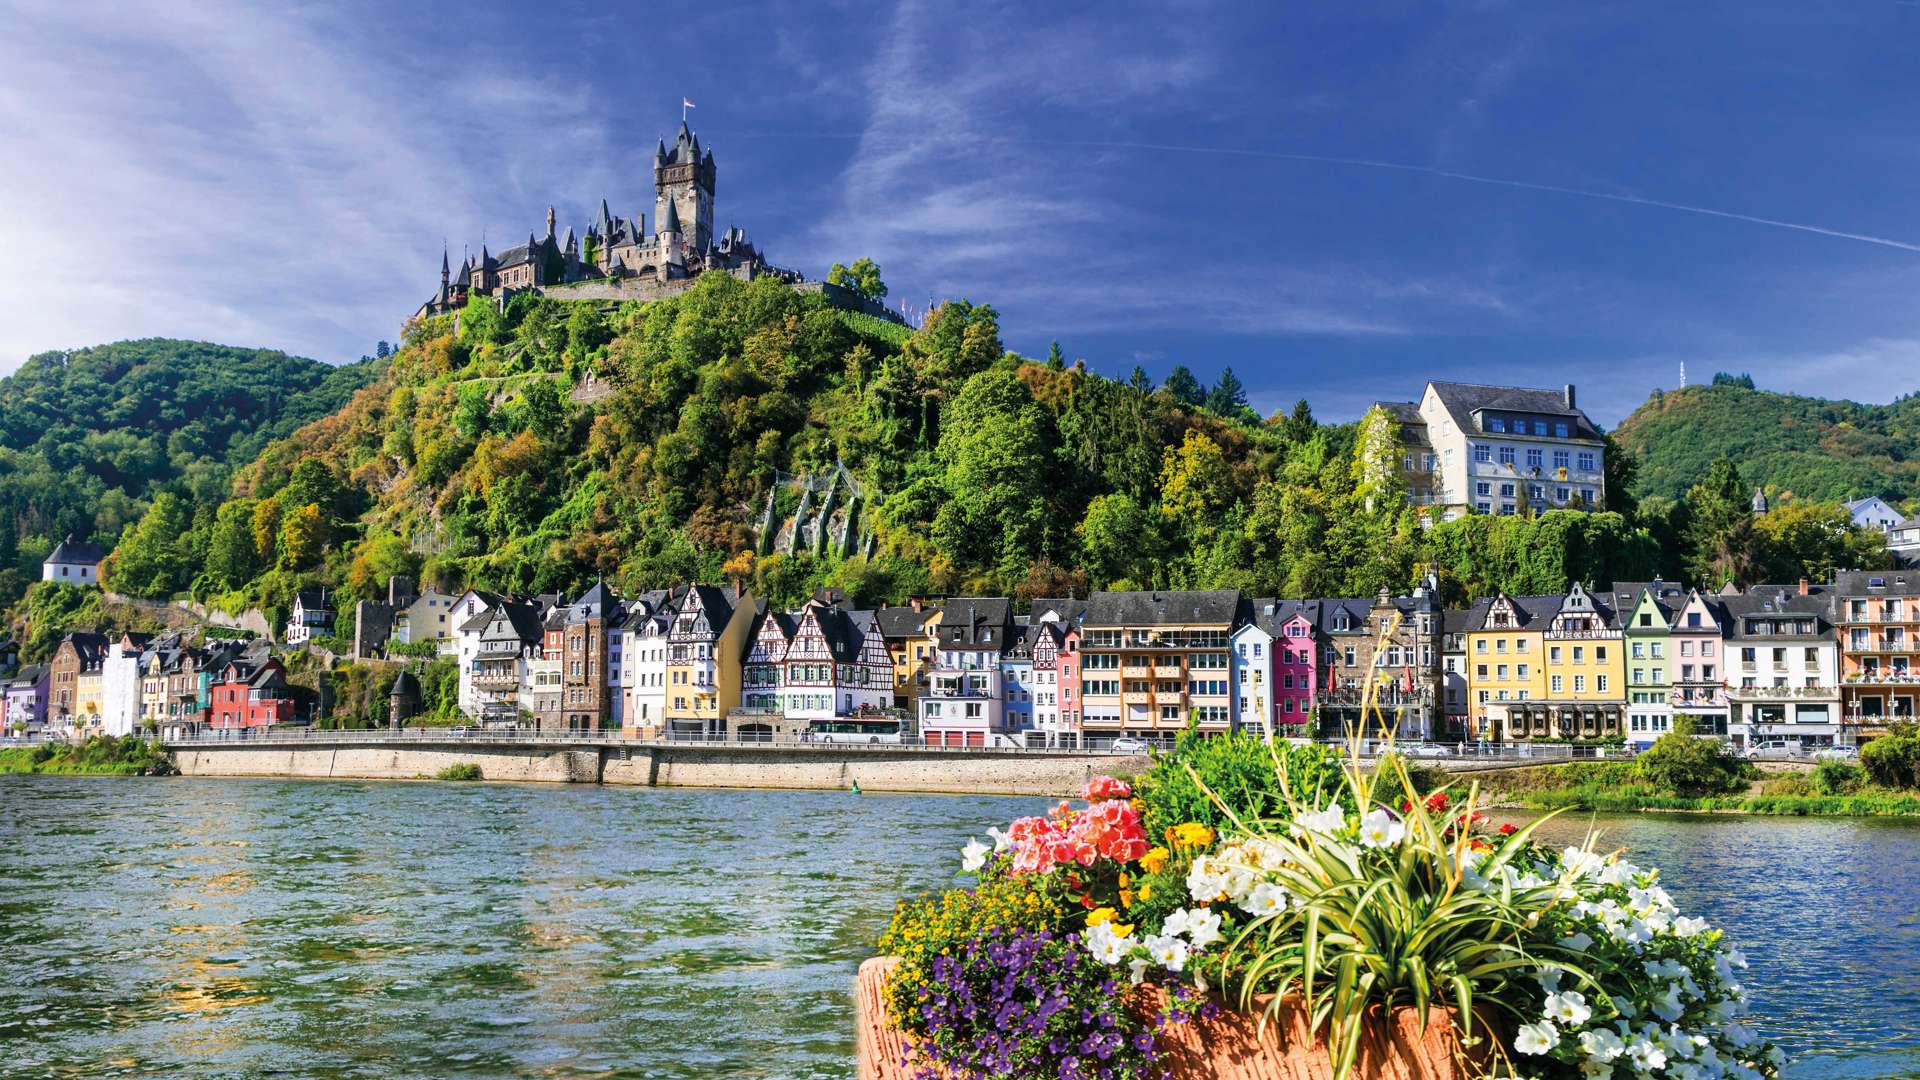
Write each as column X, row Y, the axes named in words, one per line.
column 672, row 222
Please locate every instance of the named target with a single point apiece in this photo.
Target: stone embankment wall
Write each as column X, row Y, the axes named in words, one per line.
column 825, row 769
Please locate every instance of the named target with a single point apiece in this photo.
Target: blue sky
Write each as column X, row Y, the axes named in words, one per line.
column 1338, row 200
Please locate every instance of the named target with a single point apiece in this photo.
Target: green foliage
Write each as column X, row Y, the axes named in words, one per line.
column 1837, row 777
column 100, row 755
column 1893, row 761
column 155, row 556
column 1241, row 768
column 465, row 770
column 1687, row 766
column 862, row 277
column 1811, row 448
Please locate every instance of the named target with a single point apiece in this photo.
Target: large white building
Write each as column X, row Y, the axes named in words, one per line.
column 73, row 562
column 1467, row 448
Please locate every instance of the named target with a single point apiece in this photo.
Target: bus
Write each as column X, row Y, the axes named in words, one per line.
column 852, row 729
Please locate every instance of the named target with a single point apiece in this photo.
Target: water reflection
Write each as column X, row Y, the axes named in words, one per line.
column 314, row 929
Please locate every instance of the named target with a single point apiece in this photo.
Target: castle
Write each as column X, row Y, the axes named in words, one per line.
column 617, row 258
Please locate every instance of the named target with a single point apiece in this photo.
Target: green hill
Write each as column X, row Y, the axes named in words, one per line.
column 1810, row 448
column 89, row 437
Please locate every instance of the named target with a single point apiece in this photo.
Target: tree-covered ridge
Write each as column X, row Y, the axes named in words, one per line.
column 89, row 437
column 472, row 461
column 1810, row 448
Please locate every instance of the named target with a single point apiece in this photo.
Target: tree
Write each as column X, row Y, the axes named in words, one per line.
column 233, row 556
column 1117, row 542
column 1688, row 766
column 382, row 351
column 1195, row 484
column 862, row 277
column 1228, row 398
column 376, row 562
column 152, row 557
column 996, row 480
column 1300, row 425
column 266, row 531
column 1721, row 541
column 481, row 321
column 303, row 535
column 1183, row 387
column 1056, row 360
column 1742, row 380
column 1811, row 540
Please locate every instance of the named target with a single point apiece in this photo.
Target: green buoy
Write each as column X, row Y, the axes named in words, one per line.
column 856, row 787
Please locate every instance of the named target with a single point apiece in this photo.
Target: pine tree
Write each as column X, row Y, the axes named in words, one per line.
column 1228, row 396
column 1056, row 360
column 1183, row 387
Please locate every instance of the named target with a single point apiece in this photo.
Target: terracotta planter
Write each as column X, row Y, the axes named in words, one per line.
column 1230, row 1047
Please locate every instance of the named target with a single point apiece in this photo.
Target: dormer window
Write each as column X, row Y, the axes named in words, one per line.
column 1497, row 424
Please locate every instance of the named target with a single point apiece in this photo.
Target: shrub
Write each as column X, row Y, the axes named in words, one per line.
column 466, row 770
column 1792, row 785
column 1241, row 768
column 1837, row 778
column 1688, row 766
column 1893, row 761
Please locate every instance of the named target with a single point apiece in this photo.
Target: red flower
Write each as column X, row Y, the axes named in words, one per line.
column 1437, row 801
column 1508, row 829
column 1103, row 788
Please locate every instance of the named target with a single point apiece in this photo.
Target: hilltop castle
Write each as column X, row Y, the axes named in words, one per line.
column 617, row 258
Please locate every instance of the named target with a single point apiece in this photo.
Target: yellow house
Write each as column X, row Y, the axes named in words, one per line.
column 1586, row 672
column 706, row 647
column 911, row 632
column 1505, row 658
column 87, row 704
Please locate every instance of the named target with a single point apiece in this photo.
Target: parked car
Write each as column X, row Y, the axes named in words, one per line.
column 1772, row 746
column 1837, row 753
column 1131, row 746
column 1429, row 750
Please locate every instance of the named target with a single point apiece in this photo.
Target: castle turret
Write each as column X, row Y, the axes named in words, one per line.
column 684, row 177
column 549, row 222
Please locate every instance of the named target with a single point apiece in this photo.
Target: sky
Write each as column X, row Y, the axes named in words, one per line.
column 1338, row 201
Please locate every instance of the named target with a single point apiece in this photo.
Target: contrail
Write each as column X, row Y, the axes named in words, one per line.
column 1424, row 170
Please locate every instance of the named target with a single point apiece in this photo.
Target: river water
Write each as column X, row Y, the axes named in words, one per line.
column 239, row 928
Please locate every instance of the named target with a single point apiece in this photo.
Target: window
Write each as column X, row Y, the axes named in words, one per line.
column 1586, row 496
column 1536, row 492
column 1497, row 424
column 1562, row 494
column 1561, row 459
column 1600, row 683
column 1586, row 461
column 1485, row 508
column 1506, row 455
column 1483, row 488
column 1560, row 429
column 1579, row 684
column 1553, row 654
column 1534, row 455
column 1506, row 491
column 1482, row 453
column 1559, row 684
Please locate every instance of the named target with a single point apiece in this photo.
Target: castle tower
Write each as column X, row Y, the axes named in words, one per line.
column 683, row 178
column 673, row 260
column 549, row 222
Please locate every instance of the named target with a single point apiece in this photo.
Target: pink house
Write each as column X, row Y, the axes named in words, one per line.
column 1276, row 665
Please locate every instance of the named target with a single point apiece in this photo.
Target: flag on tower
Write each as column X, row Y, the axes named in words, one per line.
column 684, row 106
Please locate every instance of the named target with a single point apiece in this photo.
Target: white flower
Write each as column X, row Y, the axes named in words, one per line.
column 1595, row 1070
column 1582, row 863
column 1105, row 945
column 1203, row 928
column 1602, row 1045
column 1266, row 899
column 1536, row 1038
column 1647, row 1055
column 1548, row 978
column 1381, row 829
column 1176, row 923
column 1578, row 942
column 1737, row 958
column 1624, row 1007
column 1619, row 873
column 1137, row 970
column 1667, row 1005
column 1204, row 881
column 973, row 856
column 1569, row 1008
column 1326, row 822
column 1002, row 838
column 1688, row 926
column 1167, row 951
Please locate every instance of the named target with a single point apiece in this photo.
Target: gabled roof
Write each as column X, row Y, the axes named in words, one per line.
column 313, row 599
column 1462, row 400
column 90, row 647
column 1199, row 608
column 977, row 622
column 1070, row 609
column 904, row 622
column 598, row 602
column 1357, row 611
column 1867, row 583
column 1270, row 614
column 1532, row 612
column 1624, row 597
column 73, row 552
column 1780, row 601
column 716, row 601
column 27, row 677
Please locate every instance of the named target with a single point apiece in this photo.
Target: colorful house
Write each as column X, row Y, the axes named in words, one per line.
column 1783, row 667
column 1151, row 660
column 73, row 702
column 1697, row 640
column 1506, row 661
column 910, row 632
column 1879, row 622
column 707, row 646
column 1648, row 610
column 1586, row 673
column 250, row 692
column 964, row 701
column 1276, row 666
column 26, row 698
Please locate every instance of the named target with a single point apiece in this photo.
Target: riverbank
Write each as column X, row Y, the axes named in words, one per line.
column 100, row 756
column 796, row 768
column 1609, row 787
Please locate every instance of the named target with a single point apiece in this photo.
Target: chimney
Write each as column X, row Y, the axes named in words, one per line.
column 1570, row 403
column 913, row 602
column 736, row 588
column 1803, row 586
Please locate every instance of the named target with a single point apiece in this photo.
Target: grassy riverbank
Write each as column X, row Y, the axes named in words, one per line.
column 1616, row 787
column 98, row 756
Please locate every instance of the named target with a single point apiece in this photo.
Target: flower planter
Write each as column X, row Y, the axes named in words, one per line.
column 1230, row 1047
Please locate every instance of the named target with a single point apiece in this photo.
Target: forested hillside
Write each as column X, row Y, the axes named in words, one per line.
column 470, row 462
column 1799, row 446
column 89, row 437
column 540, row 448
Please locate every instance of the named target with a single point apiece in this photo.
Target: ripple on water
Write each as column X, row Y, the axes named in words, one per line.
column 209, row 928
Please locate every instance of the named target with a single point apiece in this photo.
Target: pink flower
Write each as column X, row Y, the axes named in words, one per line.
column 1102, row 788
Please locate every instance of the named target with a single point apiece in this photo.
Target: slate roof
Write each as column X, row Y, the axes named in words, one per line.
column 1214, row 606
column 904, row 622
column 313, row 600
column 1891, row 583
column 90, row 646
column 1462, row 400
column 598, row 602
column 1413, row 426
column 718, row 603
column 1270, row 614
column 977, row 622
column 1625, row 596
column 1357, row 611
column 75, row 553
column 28, row 677
column 1070, row 609
column 405, row 686
column 1780, row 601
column 1532, row 611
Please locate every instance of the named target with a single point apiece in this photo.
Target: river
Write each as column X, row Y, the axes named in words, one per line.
column 236, row 928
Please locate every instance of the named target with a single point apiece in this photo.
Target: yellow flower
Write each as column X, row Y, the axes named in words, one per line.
column 1146, row 892
column 1126, row 897
column 1122, row 929
column 1154, row 859
column 1192, row 834
column 1100, row 915
column 1123, row 881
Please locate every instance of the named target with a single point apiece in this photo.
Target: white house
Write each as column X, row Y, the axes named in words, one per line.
column 964, row 701
column 1783, row 667
column 1904, row 540
column 73, row 562
column 469, row 612
column 643, row 660
column 120, row 690
column 312, row 616
column 1873, row 512
column 1498, row 449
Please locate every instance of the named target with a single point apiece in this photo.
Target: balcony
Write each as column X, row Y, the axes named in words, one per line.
column 1783, row 693
column 1136, row 697
column 496, row 680
column 1168, row 671
column 1136, row 672
column 1896, row 677
column 954, row 692
column 1386, row 698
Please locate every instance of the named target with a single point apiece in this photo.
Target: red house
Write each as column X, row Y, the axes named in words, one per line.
column 251, row 692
